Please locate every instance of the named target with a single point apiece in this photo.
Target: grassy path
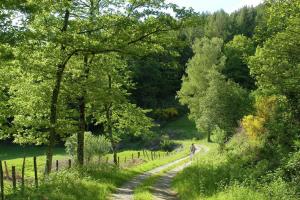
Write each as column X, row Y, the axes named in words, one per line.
column 126, row 191
column 162, row 188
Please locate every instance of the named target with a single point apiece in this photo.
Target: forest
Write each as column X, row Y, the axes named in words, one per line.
column 124, row 87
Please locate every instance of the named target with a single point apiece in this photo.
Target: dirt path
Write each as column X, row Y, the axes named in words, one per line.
column 162, row 189
column 126, row 191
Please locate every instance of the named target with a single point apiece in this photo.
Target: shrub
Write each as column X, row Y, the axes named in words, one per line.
column 253, row 125
column 219, row 136
column 279, row 189
column 165, row 114
column 94, row 146
column 166, row 144
column 292, row 168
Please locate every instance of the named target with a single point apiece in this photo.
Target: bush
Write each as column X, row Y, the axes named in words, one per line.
column 165, row 114
column 219, row 136
column 166, row 144
column 94, row 146
column 292, row 168
column 279, row 189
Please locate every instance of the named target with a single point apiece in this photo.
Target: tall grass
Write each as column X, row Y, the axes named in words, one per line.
column 91, row 182
column 219, row 176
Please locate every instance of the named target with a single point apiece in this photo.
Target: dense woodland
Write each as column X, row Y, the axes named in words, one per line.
column 119, row 69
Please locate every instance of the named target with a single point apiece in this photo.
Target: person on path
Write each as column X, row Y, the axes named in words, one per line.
column 192, row 151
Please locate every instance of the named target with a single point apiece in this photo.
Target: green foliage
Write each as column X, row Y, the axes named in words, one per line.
column 237, row 52
column 93, row 146
column 166, row 144
column 74, row 184
column 276, row 66
column 232, row 176
column 218, row 25
column 244, row 21
column 275, row 15
column 292, row 168
column 93, row 181
column 212, row 100
column 219, row 136
column 165, row 114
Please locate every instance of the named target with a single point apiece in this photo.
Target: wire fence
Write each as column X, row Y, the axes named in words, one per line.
column 17, row 181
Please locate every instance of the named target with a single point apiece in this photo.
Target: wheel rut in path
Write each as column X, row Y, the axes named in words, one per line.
column 125, row 192
column 162, row 188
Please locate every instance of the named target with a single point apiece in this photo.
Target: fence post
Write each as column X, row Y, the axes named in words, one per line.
column 132, row 156
column 57, row 165
column 13, row 175
column 6, row 169
column 1, row 181
column 70, row 163
column 23, row 175
column 139, row 154
column 35, row 173
column 118, row 161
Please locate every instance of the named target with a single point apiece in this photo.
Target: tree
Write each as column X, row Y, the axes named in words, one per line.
column 108, row 94
column 244, row 21
column 60, row 31
column 276, row 69
column 218, row 25
column 274, row 17
column 276, row 66
column 237, row 52
column 213, row 101
column 95, row 146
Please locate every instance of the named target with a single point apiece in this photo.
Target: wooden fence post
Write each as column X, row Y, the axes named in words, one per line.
column 139, row 154
column 57, row 165
column 132, row 156
column 23, row 175
column 151, row 155
column 35, row 173
column 1, row 181
column 13, row 175
column 6, row 169
column 70, row 163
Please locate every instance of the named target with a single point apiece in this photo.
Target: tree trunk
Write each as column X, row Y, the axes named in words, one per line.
column 109, row 126
column 114, row 147
column 80, row 134
column 208, row 137
column 82, row 120
column 53, row 117
column 54, row 99
column 110, row 134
